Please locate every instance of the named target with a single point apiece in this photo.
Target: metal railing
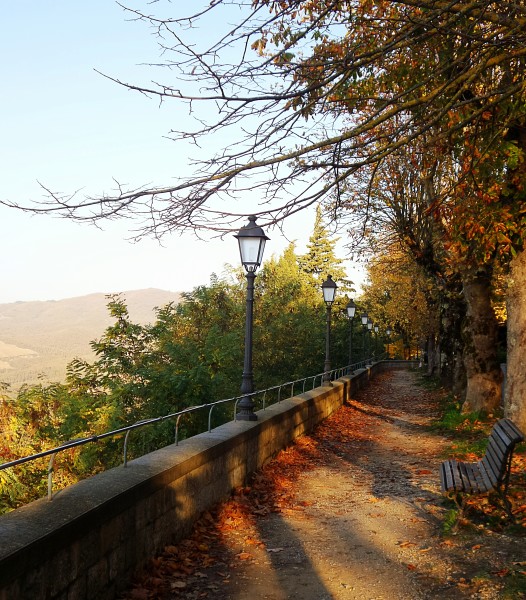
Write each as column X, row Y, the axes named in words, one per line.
column 291, row 386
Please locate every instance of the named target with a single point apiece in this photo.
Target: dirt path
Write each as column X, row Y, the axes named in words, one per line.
column 361, row 520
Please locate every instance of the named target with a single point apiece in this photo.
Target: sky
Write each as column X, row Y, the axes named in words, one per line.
column 66, row 127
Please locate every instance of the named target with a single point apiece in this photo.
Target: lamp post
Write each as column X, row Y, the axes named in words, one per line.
column 388, row 331
column 328, row 287
column 376, row 328
column 251, row 239
column 364, row 318
column 369, row 328
column 351, row 311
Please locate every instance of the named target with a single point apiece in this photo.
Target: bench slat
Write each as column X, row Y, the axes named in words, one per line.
column 496, row 459
column 499, row 443
column 483, row 481
column 446, row 478
column 469, row 481
column 509, row 427
column 490, row 470
column 450, row 476
column 489, row 477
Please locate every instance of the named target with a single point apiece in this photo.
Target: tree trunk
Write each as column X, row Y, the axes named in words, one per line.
column 451, row 367
column 515, row 394
column 432, row 359
column 480, row 333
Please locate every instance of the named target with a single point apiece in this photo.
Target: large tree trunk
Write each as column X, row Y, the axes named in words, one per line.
column 431, row 355
column 480, row 333
column 451, row 367
column 515, row 393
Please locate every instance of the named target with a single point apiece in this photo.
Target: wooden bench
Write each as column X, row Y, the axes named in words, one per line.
column 492, row 472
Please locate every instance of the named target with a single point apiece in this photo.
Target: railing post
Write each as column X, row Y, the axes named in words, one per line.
column 50, row 477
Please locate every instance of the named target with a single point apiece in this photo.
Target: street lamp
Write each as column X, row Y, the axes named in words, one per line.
column 351, row 311
column 376, row 328
column 364, row 327
column 388, row 331
column 251, row 239
column 328, row 287
column 369, row 327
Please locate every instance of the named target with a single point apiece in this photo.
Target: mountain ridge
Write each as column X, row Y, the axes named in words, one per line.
column 38, row 338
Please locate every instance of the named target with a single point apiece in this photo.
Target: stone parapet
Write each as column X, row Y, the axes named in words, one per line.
column 87, row 542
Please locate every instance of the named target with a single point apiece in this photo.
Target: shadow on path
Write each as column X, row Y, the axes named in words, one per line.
column 349, row 512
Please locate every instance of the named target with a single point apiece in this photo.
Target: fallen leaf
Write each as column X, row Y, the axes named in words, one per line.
column 253, row 542
column 244, row 556
column 178, row 585
column 406, row 544
column 140, row 594
column 501, row 573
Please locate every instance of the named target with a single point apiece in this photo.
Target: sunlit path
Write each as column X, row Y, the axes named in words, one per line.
column 360, row 517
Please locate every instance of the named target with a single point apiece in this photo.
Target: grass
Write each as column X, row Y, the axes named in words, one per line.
column 469, row 430
column 514, row 586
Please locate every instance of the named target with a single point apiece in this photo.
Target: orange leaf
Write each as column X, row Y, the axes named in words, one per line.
column 501, row 573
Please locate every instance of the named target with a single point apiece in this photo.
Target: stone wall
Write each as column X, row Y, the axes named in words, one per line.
column 86, row 543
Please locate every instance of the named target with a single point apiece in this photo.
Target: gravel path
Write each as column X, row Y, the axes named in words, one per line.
column 366, row 518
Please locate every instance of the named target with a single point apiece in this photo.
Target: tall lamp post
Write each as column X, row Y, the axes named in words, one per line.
column 251, row 239
column 328, row 287
column 376, row 328
column 388, row 331
column 351, row 311
column 364, row 318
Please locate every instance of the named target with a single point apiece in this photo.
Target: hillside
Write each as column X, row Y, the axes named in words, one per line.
column 38, row 339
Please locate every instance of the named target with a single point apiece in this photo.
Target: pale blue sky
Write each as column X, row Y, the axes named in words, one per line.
column 66, row 126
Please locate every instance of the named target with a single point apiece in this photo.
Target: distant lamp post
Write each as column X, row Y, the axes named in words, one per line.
column 351, row 311
column 364, row 318
column 251, row 239
column 369, row 328
column 328, row 287
column 376, row 328
column 388, row 331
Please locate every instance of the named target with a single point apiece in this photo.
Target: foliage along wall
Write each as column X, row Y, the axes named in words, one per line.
column 191, row 355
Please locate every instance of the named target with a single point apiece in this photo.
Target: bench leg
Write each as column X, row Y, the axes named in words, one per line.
column 504, row 504
column 460, row 502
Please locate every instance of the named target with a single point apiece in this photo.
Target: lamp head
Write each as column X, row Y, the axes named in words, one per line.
column 329, row 287
column 251, row 239
column 351, row 309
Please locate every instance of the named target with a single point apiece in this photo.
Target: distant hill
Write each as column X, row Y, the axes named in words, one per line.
column 38, row 339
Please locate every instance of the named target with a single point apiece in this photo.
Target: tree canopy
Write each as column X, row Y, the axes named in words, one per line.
column 309, row 92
